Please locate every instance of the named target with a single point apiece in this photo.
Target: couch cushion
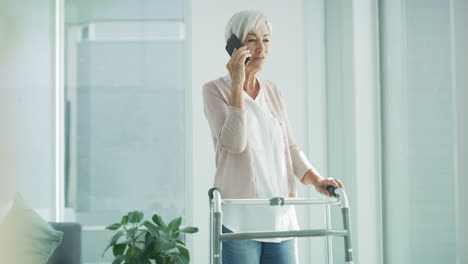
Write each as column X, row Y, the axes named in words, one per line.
column 25, row 237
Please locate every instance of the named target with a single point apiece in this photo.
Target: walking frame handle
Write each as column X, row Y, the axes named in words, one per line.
column 217, row 237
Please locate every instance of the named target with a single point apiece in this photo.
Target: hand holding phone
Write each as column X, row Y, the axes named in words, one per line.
column 234, row 43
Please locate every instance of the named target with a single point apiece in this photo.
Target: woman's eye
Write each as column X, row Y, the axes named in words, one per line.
column 253, row 40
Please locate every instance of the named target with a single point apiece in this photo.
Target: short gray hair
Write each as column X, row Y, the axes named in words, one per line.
column 244, row 21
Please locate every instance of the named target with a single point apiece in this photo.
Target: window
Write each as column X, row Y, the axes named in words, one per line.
column 125, row 114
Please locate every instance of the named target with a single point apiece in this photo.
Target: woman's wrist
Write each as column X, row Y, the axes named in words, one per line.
column 239, row 84
column 311, row 177
column 237, row 99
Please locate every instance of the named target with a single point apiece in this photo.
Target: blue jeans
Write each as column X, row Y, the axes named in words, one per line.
column 255, row 252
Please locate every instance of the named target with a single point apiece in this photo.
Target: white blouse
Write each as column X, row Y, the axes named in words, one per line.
column 266, row 145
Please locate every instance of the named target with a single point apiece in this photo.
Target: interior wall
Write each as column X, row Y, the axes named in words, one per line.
column 25, row 105
column 366, row 185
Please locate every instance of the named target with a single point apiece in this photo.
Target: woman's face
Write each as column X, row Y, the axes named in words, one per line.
column 258, row 42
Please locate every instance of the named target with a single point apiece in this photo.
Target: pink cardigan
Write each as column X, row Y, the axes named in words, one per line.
column 235, row 174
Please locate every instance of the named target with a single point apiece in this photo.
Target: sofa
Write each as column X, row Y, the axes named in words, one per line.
column 69, row 250
column 25, row 237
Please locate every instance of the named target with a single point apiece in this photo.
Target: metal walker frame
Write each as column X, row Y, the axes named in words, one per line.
column 216, row 216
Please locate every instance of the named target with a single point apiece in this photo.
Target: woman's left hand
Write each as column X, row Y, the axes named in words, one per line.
column 322, row 184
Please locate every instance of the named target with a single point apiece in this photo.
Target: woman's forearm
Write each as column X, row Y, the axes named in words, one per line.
column 237, row 97
column 311, row 177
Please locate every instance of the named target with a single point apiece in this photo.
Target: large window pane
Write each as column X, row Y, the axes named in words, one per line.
column 125, row 113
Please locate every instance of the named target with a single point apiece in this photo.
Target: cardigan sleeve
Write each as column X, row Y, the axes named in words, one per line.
column 300, row 163
column 227, row 123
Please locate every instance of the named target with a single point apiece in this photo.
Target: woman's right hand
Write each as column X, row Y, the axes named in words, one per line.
column 236, row 65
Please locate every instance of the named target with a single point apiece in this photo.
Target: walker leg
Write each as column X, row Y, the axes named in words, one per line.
column 217, row 217
column 347, row 238
column 329, row 238
column 216, row 241
column 211, row 233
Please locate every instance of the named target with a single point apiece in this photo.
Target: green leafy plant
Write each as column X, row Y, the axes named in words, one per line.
column 146, row 242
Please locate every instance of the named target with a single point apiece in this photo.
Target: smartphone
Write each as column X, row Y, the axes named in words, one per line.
column 234, row 43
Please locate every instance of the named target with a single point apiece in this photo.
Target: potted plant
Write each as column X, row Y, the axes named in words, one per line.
column 146, row 242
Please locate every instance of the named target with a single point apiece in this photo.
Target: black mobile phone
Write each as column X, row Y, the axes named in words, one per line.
column 234, row 43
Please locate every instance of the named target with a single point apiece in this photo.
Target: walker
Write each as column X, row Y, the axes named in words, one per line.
column 216, row 217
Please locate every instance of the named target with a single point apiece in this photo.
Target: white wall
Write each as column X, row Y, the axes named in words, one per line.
column 25, row 105
column 286, row 66
column 366, row 185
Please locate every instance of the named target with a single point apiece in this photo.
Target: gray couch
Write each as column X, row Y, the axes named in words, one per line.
column 69, row 251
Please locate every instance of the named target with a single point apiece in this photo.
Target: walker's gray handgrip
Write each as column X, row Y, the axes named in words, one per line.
column 331, row 189
column 210, row 192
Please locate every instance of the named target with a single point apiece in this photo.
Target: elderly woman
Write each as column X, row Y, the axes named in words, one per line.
column 256, row 154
